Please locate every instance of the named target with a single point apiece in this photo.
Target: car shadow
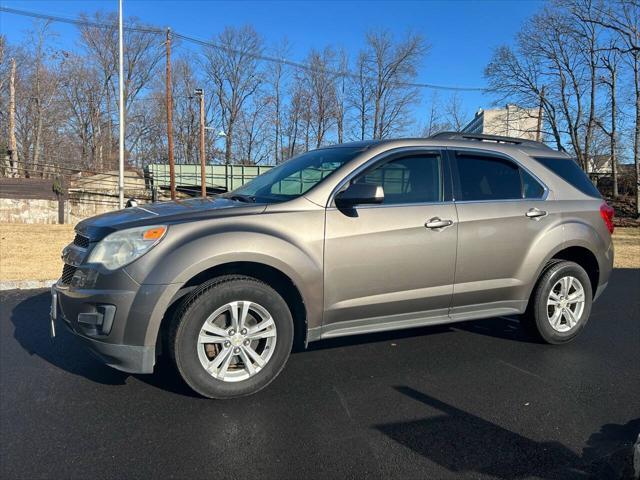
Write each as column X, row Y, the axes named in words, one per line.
column 30, row 318
column 460, row 441
column 506, row 328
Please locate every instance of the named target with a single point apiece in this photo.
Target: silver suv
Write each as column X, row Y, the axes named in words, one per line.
column 349, row 239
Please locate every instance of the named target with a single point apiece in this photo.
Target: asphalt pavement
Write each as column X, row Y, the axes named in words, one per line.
column 471, row 400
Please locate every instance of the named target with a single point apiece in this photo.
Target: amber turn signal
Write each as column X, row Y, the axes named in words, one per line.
column 154, row 233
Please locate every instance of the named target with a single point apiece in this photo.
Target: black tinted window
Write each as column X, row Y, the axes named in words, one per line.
column 571, row 172
column 486, row 178
column 531, row 188
column 414, row 179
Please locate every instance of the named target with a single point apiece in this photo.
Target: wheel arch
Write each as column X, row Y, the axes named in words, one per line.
column 275, row 277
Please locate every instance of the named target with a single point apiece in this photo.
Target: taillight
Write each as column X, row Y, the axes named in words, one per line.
column 607, row 213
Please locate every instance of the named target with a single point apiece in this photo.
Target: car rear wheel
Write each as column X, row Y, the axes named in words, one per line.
column 560, row 305
column 232, row 337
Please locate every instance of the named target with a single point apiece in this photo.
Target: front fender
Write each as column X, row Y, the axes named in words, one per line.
column 191, row 249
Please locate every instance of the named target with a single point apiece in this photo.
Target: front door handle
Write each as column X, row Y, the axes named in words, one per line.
column 436, row 222
column 535, row 213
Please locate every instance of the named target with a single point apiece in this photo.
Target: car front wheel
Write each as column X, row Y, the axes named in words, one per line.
column 232, row 337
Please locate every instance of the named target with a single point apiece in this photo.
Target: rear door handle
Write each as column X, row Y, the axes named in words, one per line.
column 535, row 213
column 436, row 222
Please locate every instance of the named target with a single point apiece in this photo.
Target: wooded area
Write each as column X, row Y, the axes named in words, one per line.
column 577, row 60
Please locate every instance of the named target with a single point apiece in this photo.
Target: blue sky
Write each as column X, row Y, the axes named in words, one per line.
column 461, row 33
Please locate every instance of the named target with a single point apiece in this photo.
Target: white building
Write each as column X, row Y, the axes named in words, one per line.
column 511, row 121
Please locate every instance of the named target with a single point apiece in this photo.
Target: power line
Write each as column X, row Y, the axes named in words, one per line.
column 256, row 56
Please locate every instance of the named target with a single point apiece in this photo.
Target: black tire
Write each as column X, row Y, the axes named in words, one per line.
column 202, row 302
column 536, row 319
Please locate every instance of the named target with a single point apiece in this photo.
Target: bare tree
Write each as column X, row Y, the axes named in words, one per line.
column 557, row 52
column 276, row 78
column 622, row 18
column 13, row 146
column 294, row 117
column 232, row 67
column 391, row 65
column 360, row 95
column 141, row 61
column 518, row 77
column 253, row 139
column 436, row 122
column 456, row 116
column 320, row 86
column 341, row 95
column 610, row 60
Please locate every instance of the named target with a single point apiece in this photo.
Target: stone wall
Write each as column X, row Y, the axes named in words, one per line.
column 46, row 211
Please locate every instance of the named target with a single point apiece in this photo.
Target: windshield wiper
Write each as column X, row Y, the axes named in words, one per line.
column 240, row 197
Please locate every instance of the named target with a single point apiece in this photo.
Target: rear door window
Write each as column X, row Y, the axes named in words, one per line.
column 484, row 178
column 531, row 188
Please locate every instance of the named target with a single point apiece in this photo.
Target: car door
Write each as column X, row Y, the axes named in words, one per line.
column 502, row 213
column 384, row 267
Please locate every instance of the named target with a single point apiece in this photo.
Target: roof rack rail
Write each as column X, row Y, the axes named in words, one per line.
column 489, row 138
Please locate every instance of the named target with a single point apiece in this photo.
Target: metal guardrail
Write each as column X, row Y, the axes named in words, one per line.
column 227, row 177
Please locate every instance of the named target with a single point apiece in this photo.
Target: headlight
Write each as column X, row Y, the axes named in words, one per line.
column 121, row 248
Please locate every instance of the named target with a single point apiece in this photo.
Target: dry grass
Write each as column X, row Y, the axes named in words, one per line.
column 626, row 242
column 32, row 252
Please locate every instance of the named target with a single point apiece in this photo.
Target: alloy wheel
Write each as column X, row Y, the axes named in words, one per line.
column 565, row 304
column 236, row 341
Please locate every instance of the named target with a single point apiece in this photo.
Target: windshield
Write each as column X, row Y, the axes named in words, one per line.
column 296, row 176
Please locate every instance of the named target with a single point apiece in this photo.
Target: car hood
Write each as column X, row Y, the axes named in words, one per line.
column 165, row 213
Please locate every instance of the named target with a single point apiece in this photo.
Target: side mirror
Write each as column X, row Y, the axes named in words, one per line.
column 359, row 194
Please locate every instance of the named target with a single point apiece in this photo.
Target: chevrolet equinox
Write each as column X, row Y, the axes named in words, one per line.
column 349, row 239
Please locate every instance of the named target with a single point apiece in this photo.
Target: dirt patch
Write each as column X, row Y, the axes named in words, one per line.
column 32, row 252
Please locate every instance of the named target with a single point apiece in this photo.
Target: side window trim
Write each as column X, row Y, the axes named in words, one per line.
column 452, row 154
column 389, row 156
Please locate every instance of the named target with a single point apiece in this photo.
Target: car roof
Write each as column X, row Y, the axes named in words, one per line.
column 460, row 139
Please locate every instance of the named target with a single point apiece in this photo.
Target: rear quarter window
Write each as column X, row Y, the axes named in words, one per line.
column 570, row 172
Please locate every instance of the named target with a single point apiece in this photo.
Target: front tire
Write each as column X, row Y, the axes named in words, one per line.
column 232, row 337
column 560, row 304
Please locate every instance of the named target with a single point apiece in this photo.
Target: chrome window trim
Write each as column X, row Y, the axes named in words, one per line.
column 379, row 157
column 489, row 153
column 389, row 205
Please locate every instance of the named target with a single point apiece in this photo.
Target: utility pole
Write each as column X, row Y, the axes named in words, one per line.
column 13, row 145
column 121, row 103
column 172, row 168
column 203, row 180
column 540, row 112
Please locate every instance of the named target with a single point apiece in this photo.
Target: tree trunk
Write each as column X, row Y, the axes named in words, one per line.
column 228, row 142
column 636, row 138
column 614, row 147
column 13, row 145
column 38, row 137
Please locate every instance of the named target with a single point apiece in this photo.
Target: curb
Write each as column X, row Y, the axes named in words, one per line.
column 26, row 284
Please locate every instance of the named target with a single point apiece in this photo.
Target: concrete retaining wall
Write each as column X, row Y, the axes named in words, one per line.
column 46, row 211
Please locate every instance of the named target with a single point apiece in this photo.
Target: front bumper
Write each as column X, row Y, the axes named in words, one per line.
column 114, row 323
column 127, row 358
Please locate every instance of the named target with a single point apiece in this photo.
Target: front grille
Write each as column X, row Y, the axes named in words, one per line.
column 67, row 273
column 81, row 241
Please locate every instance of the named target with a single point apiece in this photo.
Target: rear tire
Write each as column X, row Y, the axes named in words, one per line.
column 560, row 304
column 231, row 337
